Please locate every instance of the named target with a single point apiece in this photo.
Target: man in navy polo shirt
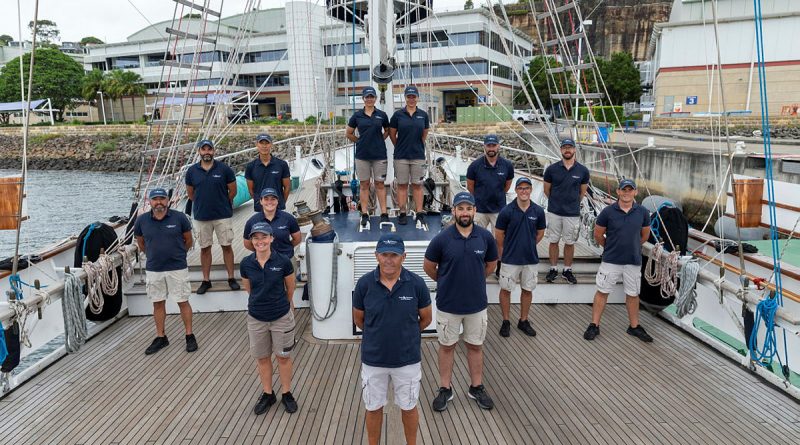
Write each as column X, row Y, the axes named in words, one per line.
column 268, row 278
column 408, row 130
column 267, row 171
column 211, row 186
column 285, row 230
column 459, row 258
column 520, row 226
column 621, row 229
column 488, row 179
column 391, row 305
column 565, row 184
column 371, row 163
column 165, row 235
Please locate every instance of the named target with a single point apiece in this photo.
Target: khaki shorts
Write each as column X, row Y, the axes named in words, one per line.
column 375, row 386
column 206, row 230
column 267, row 337
column 566, row 227
column 513, row 274
column 366, row 170
column 409, row 168
column 608, row 275
column 172, row 283
column 486, row 220
column 448, row 327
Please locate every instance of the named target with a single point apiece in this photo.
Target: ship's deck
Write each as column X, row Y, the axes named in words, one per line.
column 555, row 388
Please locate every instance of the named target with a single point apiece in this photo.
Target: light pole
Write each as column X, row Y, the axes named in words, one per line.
column 103, row 106
column 490, row 100
column 578, row 77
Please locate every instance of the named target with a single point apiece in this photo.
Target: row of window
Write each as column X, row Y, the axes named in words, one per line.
column 438, row 39
column 456, row 69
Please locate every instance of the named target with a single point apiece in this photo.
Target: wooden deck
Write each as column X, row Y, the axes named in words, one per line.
column 555, row 388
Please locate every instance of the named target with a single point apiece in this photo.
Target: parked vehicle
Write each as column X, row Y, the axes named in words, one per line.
column 529, row 115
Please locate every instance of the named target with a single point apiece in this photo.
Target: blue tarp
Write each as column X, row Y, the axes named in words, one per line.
column 19, row 106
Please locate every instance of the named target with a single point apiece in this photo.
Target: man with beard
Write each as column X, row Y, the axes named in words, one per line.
column 165, row 235
column 211, row 186
column 565, row 184
column 459, row 258
column 488, row 179
column 621, row 229
column 267, row 171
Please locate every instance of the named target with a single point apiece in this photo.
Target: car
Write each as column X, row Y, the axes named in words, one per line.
column 529, row 115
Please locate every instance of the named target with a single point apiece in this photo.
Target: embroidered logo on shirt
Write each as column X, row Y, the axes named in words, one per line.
column 171, row 226
column 532, row 218
column 576, row 177
column 479, row 252
column 282, row 227
column 274, row 172
column 405, row 298
column 420, row 117
column 217, row 176
column 275, row 269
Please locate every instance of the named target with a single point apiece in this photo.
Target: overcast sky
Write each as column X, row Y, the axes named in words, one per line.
column 115, row 20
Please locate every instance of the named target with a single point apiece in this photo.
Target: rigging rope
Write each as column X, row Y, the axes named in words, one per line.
column 686, row 300
column 75, row 331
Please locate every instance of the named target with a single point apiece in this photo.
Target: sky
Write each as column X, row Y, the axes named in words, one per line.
column 114, row 20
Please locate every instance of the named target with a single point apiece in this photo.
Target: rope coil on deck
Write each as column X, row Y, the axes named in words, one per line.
column 686, row 300
column 662, row 270
column 75, row 331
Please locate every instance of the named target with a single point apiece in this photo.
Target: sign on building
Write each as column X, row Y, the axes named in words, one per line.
column 691, row 100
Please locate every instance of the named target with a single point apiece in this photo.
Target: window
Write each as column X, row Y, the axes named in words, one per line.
column 154, row 59
column 266, row 56
column 125, row 62
column 276, row 80
column 205, row 57
column 345, row 49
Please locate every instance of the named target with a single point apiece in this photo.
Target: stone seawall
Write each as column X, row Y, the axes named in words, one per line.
column 781, row 126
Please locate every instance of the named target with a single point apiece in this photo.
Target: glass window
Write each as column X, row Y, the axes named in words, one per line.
column 125, row 62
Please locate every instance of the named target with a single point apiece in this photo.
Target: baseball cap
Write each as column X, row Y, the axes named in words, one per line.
column 369, row 91
column 627, row 183
column 158, row 193
column 261, row 227
column 463, row 197
column 567, row 141
column 269, row 192
column 523, row 180
column 491, row 139
column 205, row 142
column 264, row 137
column 411, row 90
column 390, row 243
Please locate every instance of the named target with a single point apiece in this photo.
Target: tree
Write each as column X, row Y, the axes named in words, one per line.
column 124, row 83
column 621, row 78
column 94, row 81
column 91, row 40
column 542, row 83
column 5, row 39
column 46, row 32
column 55, row 76
column 469, row 5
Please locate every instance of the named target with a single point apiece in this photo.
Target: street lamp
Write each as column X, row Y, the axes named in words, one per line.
column 103, row 106
column 578, row 79
column 491, row 85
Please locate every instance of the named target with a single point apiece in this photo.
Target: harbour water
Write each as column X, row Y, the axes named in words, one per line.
column 61, row 203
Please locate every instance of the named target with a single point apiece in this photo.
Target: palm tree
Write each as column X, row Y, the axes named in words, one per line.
column 125, row 83
column 113, row 89
column 94, row 81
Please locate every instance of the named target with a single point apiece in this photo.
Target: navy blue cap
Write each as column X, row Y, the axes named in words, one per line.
column 390, row 243
column 158, row 193
column 627, row 183
column 568, row 141
column 264, row 137
column 261, row 227
column 205, row 142
column 369, row 91
column 491, row 139
column 269, row 192
column 523, row 180
column 463, row 197
column 411, row 90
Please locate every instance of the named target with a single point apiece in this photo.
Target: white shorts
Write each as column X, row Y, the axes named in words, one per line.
column 375, row 386
column 448, row 326
column 206, row 230
column 566, row 227
column 608, row 275
column 172, row 283
column 486, row 220
column 513, row 274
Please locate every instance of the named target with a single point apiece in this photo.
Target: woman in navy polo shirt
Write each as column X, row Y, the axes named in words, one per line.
column 285, row 230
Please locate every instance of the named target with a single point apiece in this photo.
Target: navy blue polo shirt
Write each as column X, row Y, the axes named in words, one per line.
column 565, row 188
column 623, row 233
column 519, row 243
column 409, row 133
column 267, row 176
column 267, row 300
column 370, row 145
column 211, row 191
column 163, row 240
column 490, row 182
column 391, row 336
column 461, row 283
column 283, row 226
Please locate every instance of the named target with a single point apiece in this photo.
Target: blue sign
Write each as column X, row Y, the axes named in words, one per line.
column 691, row 100
column 481, row 99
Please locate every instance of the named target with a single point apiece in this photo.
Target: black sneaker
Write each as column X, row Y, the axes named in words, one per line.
column 364, row 219
column 421, row 218
column 551, row 276
column 569, row 276
column 191, row 343
column 479, row 394
column 158, row 344
column 384, row 217
column 591, row 332
column 640, row 333
column 204, row 286
column 289, row 403
column 233, row 284
column 505, row 328
column 402, row 219
column 525, row 326
column 264, row 402
column 440, row 402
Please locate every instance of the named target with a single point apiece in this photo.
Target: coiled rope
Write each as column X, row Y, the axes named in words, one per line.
column 662, row 270
column 75, row 331
column 686, row 300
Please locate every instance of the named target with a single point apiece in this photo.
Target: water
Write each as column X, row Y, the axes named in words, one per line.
column 62, row 202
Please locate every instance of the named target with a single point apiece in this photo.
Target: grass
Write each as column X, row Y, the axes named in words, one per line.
column 38, row 139
column 105, row 146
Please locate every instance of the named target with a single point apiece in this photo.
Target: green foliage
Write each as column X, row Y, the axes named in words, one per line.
column 469, row 5
column 120, row 83
column 93, row 81
column 55, row 76
column 46, row 31
column 602, row 114
column 311, row 120
column 192, row 16
column 39, row 139
column 621, row 78
column 91, row 40
column 105, row 146
column 4, row 39
column 544, row 84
